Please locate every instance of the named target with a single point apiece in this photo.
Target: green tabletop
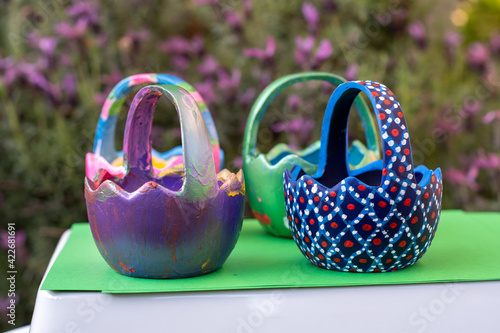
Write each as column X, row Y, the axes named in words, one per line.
column 466, row 248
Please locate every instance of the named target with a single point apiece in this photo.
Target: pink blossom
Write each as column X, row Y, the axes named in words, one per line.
column 491, row 116
column 311, row 16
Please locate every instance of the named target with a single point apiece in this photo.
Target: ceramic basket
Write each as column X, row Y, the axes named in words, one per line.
column 105, row 154
column 171, row 226
column 379, row 218
column 264, row 172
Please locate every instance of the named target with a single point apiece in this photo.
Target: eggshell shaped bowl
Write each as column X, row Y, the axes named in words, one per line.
column 264, row 172
column 105, row 154
column 379, row 218
column 179, row 225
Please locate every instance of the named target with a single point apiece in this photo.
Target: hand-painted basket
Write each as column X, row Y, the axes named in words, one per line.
column 105, row 155
column 174, row 226
column 379, row 218
column 264, row 172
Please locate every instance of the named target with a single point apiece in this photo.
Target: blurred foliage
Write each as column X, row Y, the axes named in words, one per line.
column 59, row 59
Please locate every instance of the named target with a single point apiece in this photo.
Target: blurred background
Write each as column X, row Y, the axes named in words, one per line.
column 59, row 59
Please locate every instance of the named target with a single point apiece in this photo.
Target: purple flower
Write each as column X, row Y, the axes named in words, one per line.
column 491, row 116
column 324, row 51
column 294, row 102
column 45, row 44
column 238, row 162
column 478, row 56
column 463, row 177
column 176, row 45
column 311, row 16
column 204, row 2
column 266, row 54
column 197, row 45
column 180, row 62
column 416, row 30
column 228, row 82
column 247, row 97
column 206, row 90
column 69, row 31
column 488, row 161
column 69, row 85
column 447, row 125
column 84, row 10
column 304, row 45
column 209, row 65
column 301, row 126
column 495, row 44
column 233, row 20
column 303, row 48
column 471, row 106
column 452, row 39
column 351, row 72
column 247, row 8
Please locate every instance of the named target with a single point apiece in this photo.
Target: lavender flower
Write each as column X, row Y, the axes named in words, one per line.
column 311, row 16
column 69, row 31
column 303, row 48
column 351, row 72
column 487, row 161
column 209, row 65
column 46, row 45
column 416, row 30
column 478, row 56
column 237, row 162
column 324, row 51
column 86, row 11
column 229, row 82
column 69, row 85
column 471, row 107
column 303, row 51
column 491, row 116
column 266, row 54
column 205, row 2
column 495, row 44
column 247, row 8
column 233, row 20
column 463, row 177
column 197, row 45
column 206, row 90
column 247, row 97
column 452, row 41
column 294, row 102
column 301, row 127
column 176, row 45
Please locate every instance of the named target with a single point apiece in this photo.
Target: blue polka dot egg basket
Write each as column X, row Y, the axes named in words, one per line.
column 379, row 218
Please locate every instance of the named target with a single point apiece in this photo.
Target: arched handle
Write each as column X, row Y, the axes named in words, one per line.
column 397, row 160
column 266, row 97
column 199, row 169
column 104, row 142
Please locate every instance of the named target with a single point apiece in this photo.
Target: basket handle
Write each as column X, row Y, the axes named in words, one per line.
column 199, row 169
column 104, row 142
column 271, row 91
column 397, row 157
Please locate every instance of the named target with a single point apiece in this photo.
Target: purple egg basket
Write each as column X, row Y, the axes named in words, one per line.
column 378, row 218
column 181, row 224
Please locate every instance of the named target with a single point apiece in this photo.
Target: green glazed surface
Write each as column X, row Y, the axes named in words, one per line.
column 264, row 172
